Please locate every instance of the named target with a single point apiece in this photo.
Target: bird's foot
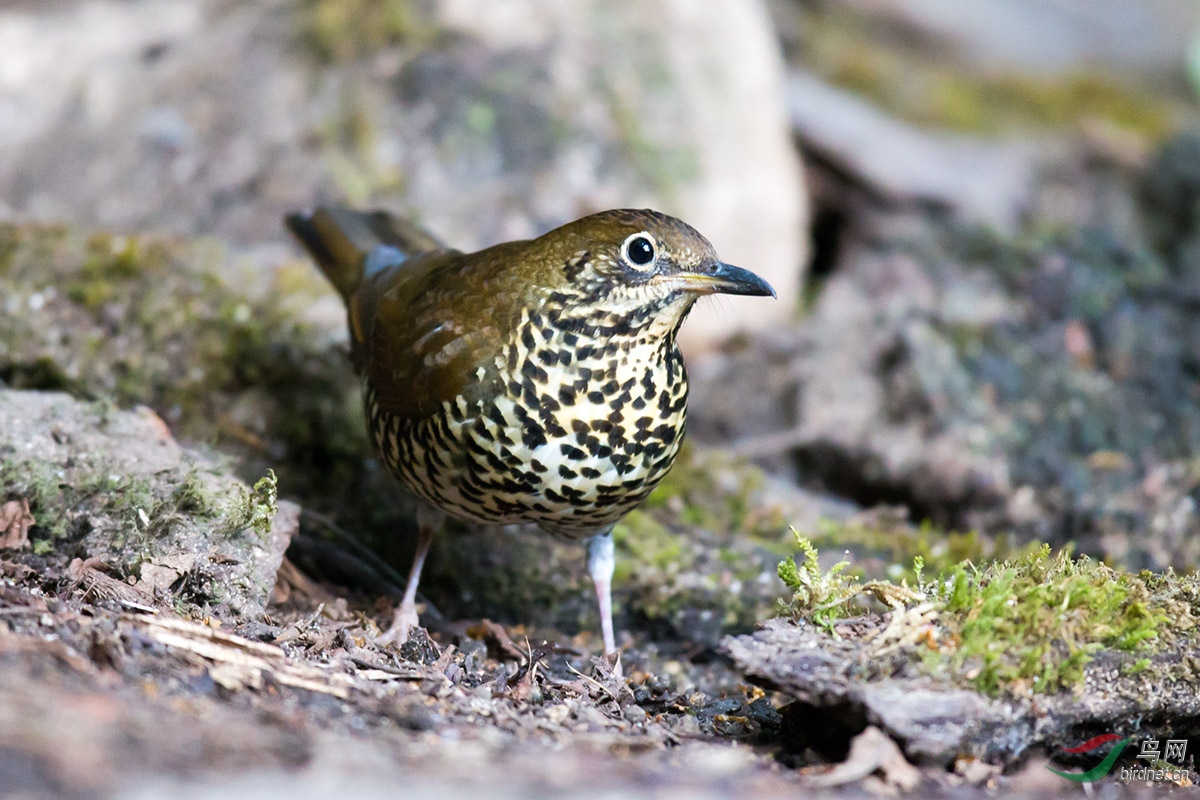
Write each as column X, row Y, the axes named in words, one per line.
column 402, row 625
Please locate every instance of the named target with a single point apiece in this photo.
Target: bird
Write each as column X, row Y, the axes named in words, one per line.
column 535, row 381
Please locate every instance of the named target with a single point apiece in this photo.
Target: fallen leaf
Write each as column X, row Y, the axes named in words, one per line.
column 870, row 752
column 98, row 585
column 159, row 574
column 15, row 522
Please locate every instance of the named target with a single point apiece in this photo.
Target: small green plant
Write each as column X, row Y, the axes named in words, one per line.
column 817, row 595
column 824, row 596
column 255, row 508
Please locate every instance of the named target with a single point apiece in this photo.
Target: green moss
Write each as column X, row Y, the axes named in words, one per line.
column 1038, row 621
column 1029, row 624
column 193, row 497
column 818, row 595
column 333, row 31
column 928, row 86
column 217, row 348
column 647, row 544
column 884, row 546
column 712, row 489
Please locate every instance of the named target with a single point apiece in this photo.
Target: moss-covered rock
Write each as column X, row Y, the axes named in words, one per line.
column 114, row 490
column 983, row 660
column 232, row 354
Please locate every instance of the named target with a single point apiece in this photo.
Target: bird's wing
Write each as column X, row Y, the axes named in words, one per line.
column 432, row 329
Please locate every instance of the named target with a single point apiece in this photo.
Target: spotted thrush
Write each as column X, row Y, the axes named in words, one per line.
column 532, row 382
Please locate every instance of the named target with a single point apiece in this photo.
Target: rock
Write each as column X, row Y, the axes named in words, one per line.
column 1037, row 383
column 113, row 488
column 864, row 412
column 690, row 120
column 1170, row 192
column 980, row 180
column 1048, row 35
column 842, row 683
column 201, row 117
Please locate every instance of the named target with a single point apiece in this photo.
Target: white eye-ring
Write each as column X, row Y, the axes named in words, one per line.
column 639, row 251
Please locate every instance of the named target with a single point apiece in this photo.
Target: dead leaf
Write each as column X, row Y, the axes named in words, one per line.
column 15, row 522
column 98, row 585
column 161, row 573
column 500, row 646
column 870, row 752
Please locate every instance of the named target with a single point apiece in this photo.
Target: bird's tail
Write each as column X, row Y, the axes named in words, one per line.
column 341, row 241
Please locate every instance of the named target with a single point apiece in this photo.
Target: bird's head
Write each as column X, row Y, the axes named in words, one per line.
column 636, row 265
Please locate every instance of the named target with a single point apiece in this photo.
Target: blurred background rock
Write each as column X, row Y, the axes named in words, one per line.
column 487, row 121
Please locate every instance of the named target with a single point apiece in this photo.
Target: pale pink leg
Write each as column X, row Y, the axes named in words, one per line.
column 428, row 522
column 601, row 562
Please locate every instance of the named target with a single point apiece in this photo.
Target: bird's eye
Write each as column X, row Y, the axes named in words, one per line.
column 639, row 251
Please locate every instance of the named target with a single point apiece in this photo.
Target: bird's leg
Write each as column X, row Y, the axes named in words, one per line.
column 600, row 564
column 429, row 520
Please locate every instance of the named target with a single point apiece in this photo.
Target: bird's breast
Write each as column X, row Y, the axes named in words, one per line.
column 579, row 430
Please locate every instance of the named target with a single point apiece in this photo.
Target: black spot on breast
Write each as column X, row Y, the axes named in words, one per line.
column 532, row 438
column 529, row 393
column 566, row 395
column 531, row 370
column 480, row 429
column 648, row 383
